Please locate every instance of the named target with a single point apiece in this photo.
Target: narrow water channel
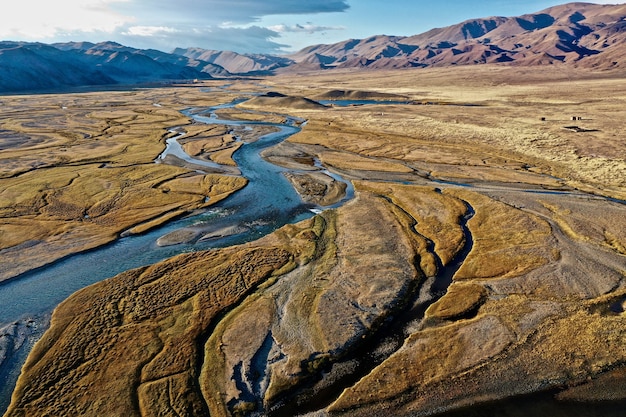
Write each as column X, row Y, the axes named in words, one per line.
column 385, row 340
column 267, row 203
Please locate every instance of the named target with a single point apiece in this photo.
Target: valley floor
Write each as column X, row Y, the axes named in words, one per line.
column 483, row 256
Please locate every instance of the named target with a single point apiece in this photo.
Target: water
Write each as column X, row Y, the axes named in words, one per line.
column 268, row 202
column 387, row 339
column 174, row 148
column 265, row 204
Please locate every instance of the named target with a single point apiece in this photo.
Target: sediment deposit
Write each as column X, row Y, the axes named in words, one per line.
column 78, row 170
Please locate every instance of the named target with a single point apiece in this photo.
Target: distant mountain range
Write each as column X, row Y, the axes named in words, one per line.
column 26, row 66
column 578, row 34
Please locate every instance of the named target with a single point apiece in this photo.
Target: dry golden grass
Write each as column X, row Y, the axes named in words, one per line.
column 502, row 125
column 157, row 346
column 436, row 215
column 216, row 142
column 318, row 188
column 318, row 311
column 579, row 220
column 534, row 305
column 344, row 161
column 241, row 113
column 526, row 242
column 285, row 103
column 460, row 299
column 83, row 171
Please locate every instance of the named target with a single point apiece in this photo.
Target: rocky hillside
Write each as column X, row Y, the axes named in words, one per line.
column 39, row 66
column 249, row 64
column 580, row 34
column 28, row 66
column 36, row 66
column 112, row 50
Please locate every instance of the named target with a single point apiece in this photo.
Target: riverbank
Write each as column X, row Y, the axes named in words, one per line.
column 83, row 172
column 228, row 222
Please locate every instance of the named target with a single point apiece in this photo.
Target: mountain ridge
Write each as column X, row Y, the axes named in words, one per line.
column 570, row 33
column 236, row 63
column 578, row 34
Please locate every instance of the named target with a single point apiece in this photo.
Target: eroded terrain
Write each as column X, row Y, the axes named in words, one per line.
column 78, row 170
column 482, row 257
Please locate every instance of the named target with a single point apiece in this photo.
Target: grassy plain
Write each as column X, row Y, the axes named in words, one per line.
column 483, row 256
column 77, row 170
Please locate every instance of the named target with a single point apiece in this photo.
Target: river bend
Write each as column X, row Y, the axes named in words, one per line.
column 264, row 205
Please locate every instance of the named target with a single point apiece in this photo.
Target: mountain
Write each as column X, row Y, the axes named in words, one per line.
column 35, row 66
column 580, row 34
column 173, row 62
column 373, row 52
column 241, row 64
column 123, row 58
column 27, row 66
column 206, row 67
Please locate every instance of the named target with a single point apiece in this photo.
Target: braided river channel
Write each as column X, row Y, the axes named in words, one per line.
column 264, row 205
column 267, row 203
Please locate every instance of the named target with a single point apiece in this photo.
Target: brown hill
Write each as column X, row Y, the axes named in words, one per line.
column 579, row 34
column 273, row 100
column 234, row 62
column 584, row 35
column 359, row 95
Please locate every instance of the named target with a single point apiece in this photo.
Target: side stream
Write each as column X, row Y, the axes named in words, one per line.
column 384, row 341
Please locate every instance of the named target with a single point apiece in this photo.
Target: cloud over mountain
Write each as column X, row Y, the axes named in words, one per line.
column 575, row 34
column 250, row 38
column 244, row 11
column 159, row 24
column 306, row 28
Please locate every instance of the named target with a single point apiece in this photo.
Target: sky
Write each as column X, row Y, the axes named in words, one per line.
column 244, row 26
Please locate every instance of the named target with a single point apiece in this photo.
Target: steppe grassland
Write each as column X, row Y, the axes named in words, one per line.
column 489, row 117
column 494, row 135
column 529, row 308
column 76, row 170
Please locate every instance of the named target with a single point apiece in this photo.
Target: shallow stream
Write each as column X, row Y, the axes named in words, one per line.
column 265, row 204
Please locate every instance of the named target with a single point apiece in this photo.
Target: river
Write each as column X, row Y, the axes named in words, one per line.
column 265, row 204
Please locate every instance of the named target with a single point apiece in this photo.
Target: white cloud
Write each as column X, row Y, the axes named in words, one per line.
column 220, row 24
column 163, row 24
column 306, row 28
column 41, row 19
column 243, row 11
column 147, row 31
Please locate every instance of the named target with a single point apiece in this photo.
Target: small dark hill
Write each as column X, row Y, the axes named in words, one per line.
column 273, row 100
column 359, row 95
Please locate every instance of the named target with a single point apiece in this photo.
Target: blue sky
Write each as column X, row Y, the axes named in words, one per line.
column 261, row 26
